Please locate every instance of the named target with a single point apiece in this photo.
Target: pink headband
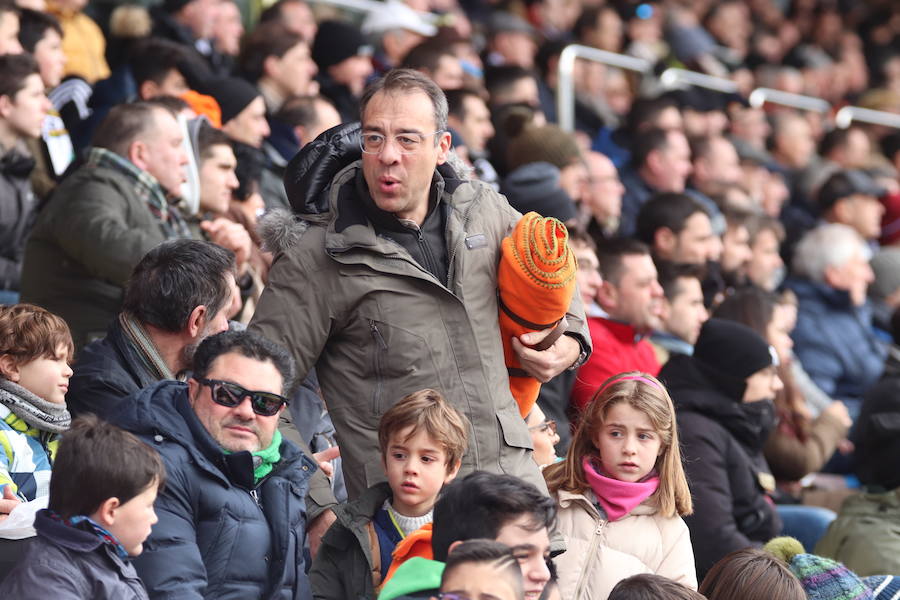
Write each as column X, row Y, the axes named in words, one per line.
column 629, row 378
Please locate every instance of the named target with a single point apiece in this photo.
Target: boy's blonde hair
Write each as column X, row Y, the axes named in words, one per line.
column 427, row 410
column 29, row 332
column 645, row 393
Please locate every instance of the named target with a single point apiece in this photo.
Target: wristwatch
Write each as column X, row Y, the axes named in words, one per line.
column 582, row 356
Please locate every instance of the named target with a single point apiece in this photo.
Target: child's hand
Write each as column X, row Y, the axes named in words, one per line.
column 8, row 502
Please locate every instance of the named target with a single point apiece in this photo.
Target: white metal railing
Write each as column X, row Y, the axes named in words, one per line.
column 761, row 96
column 565, row 88
column 674, row 78
column 845, row 117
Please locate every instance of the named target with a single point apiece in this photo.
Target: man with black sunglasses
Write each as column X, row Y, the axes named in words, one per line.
column 232, row 517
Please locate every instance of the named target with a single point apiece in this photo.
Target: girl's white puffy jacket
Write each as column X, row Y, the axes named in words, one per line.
column 600, row 553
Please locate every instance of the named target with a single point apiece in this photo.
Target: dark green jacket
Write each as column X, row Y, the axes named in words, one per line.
column 866, row 534
column 81, row 252
column 343, row 569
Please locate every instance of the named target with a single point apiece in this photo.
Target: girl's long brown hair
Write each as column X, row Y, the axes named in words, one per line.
column 673, row 497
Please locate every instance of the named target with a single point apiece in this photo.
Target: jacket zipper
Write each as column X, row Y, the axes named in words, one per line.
column 451, row 270
column 431, row 263
column 582, row 577
column 380, row 348
column 255, row 495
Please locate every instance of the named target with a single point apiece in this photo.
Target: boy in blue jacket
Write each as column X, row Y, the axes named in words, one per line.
column 102, row 491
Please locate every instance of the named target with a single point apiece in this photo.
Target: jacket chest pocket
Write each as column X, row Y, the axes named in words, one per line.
column 396, row 355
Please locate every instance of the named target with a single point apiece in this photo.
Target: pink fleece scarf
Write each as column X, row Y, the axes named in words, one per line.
column 618, row 498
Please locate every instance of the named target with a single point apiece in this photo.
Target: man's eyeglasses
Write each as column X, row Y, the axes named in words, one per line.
column 409, row 143
column 548, row 425
column 228, row 394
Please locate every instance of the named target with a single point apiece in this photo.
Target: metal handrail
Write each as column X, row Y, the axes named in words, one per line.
column 761, row 96
column 565, row 86
column 674, row 78
column 848, row 114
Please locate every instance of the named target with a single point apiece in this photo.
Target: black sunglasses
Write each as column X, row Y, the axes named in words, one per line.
column 231, row 394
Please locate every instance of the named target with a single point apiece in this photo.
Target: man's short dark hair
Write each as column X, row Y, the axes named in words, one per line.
column 485, row 551
column 645, row 142
column 209, row 136
column 644, row 112
column 14, row 70
column 97, row 461
column 669, row 273
column 247, row 344
column 301, row 111
column 456, row 101
column 273, row 13
column 611, row 252
column 480, row 504
column 670, row 210
column 649, row 586
column 408, row 81
column 124, row 124
column 33, row 26
column 8, row 6
column 500, row 80
column 152, row 59
column 426, row 56
column 268, row 39
column 176, row 277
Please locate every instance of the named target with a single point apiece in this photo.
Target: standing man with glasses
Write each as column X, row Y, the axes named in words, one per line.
column 232, row 516
column 385, row 280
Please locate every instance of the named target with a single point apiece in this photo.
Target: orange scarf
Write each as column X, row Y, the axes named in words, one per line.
column 417, row 543
column 536, row 278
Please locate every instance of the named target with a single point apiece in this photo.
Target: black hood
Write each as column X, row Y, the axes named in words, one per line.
column 692, row 391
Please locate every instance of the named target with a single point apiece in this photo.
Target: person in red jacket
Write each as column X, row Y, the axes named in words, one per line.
column 631, row 298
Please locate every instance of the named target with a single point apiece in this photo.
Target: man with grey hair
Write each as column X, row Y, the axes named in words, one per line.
column 385, row 280
column 834, row 339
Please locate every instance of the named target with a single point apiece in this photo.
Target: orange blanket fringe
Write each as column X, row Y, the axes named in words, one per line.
column 536, row 278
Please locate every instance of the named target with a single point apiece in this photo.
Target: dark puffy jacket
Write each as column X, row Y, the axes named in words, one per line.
column 68, row 563
column 877, row 431
column 834, row 340
column 17, row 211
column 218, row 535
column 724, row 470
column 106, row 372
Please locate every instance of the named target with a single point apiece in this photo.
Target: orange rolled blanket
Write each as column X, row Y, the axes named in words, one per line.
column 536, row 281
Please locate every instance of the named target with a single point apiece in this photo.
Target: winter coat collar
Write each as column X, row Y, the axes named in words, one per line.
column 588, row 502
column 805, row 288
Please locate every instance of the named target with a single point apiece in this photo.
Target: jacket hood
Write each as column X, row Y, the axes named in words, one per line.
column 359, row 512
column 692, row 391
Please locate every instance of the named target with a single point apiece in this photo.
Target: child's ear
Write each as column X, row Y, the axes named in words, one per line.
column 451, row 474
column 106, row 514
column 9, row 368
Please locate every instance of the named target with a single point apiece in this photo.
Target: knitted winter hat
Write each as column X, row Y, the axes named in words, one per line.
column 535, row 187
column 821, row 578
column 337, row 41
column 233, row 95
column 728, row 353
column 547, row 143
